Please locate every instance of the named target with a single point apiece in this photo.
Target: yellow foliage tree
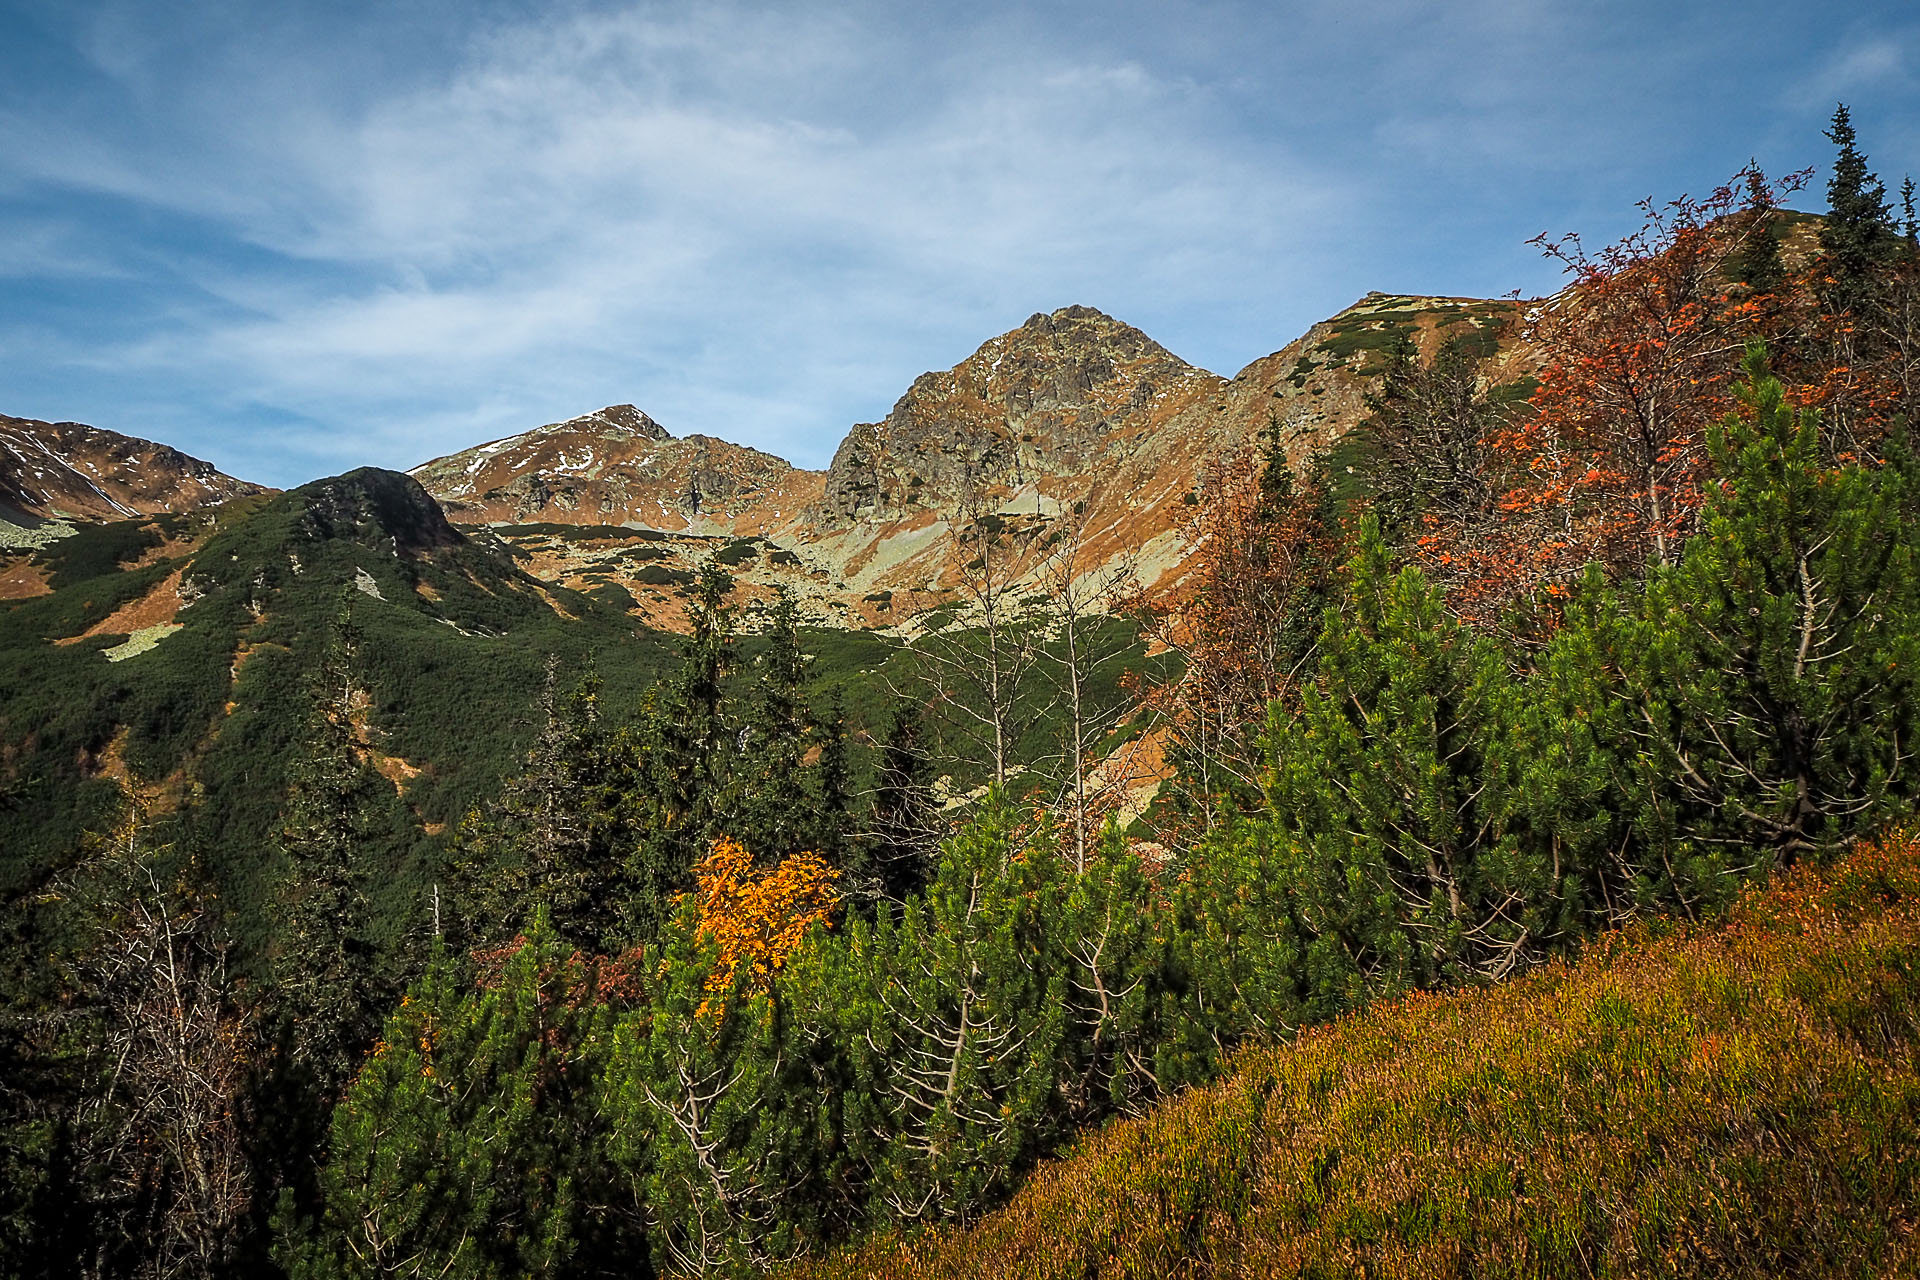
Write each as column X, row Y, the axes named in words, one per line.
column 758, row 921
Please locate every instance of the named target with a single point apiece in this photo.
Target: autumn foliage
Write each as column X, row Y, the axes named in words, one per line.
column 1608, row 459
column 758, row 920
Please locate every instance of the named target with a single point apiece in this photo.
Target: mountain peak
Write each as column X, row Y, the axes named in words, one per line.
column 617, row 421
column 1051, row 397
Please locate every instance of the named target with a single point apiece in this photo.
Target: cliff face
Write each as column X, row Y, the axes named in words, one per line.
column 68, row 470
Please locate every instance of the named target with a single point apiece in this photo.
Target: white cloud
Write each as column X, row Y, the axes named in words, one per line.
column 691, row 202
column 761, row 222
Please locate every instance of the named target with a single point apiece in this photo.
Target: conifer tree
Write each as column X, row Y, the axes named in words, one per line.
column 1858, row 234
column 701, row 1101
column 1236, row 951
column 1430, row 430
column 768, row 807
column 957, row 1028
column 830, row 798
column 680, row 757
column 1395, row 783
column 552, row 840
column 1112, row 939
column 471, row 1144
column 327, row 988
column 904, row 827
column 1770, row 676
column 1758, row 264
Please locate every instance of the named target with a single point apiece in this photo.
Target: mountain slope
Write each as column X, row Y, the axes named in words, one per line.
column 52, row 470
column 618, row 466
column 1717, row 1100
column 1071, row 418
column 183, row 678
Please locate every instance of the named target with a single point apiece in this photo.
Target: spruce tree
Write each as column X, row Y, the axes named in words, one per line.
column 680, row 757
column 328, row 990
column 1758, row 264
column 553, row 840
column 903, row 826
column 1858, row 235
column 830, row 797
column 768, row 807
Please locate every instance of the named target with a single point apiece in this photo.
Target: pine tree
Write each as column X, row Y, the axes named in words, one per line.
column 328, row 990
column 958, row 1027
column 472, row 1142
column 1858, row 234
column 1237, row 951
column 1395, row 785
column 1771, row 675
column 699, row 1093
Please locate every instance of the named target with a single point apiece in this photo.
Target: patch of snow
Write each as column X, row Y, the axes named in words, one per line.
column 365, row 583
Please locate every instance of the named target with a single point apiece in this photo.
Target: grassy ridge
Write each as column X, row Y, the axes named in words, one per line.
column 1734, row 1099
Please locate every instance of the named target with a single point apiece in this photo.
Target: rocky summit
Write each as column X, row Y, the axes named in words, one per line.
column 1073, row 421
column 1073, row 418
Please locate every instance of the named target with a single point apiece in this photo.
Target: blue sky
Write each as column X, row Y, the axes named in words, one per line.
column 296, row 238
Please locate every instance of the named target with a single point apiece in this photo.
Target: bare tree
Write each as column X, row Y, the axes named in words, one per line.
column 1083, row 646
column 978, row 661
column 167, row 1125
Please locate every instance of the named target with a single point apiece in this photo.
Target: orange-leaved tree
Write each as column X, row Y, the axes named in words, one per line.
column 1265, row 550
column 1638, row 353
column 757, row 920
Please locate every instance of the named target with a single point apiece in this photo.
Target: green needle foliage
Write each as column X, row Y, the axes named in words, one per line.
column 1396, row 784
column 1760, row 695
column 471, row 1143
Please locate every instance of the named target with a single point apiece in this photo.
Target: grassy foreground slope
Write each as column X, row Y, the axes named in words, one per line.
column 1735, row 1099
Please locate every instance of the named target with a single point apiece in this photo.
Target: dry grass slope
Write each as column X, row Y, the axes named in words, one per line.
column 1734, row 1100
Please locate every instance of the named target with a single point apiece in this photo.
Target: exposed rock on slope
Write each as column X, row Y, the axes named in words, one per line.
column 55, row 470
column 1063, row 395
column 1073, row 416
column 619, row 466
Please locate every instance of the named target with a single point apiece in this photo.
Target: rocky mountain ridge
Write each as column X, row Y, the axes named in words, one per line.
column 1073, row 422
column 62, row 471
column 1072, row 419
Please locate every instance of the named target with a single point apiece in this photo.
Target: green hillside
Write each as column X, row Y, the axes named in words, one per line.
column 453, row 641
column 1734, row 1099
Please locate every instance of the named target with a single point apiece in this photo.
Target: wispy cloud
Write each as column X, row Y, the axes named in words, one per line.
column 376, row 237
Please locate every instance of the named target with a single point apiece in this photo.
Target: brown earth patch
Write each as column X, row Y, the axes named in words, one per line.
column 154, row 609
column 22, row 579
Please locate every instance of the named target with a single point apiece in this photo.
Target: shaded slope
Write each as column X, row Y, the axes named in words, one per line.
column 1728, row 1100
